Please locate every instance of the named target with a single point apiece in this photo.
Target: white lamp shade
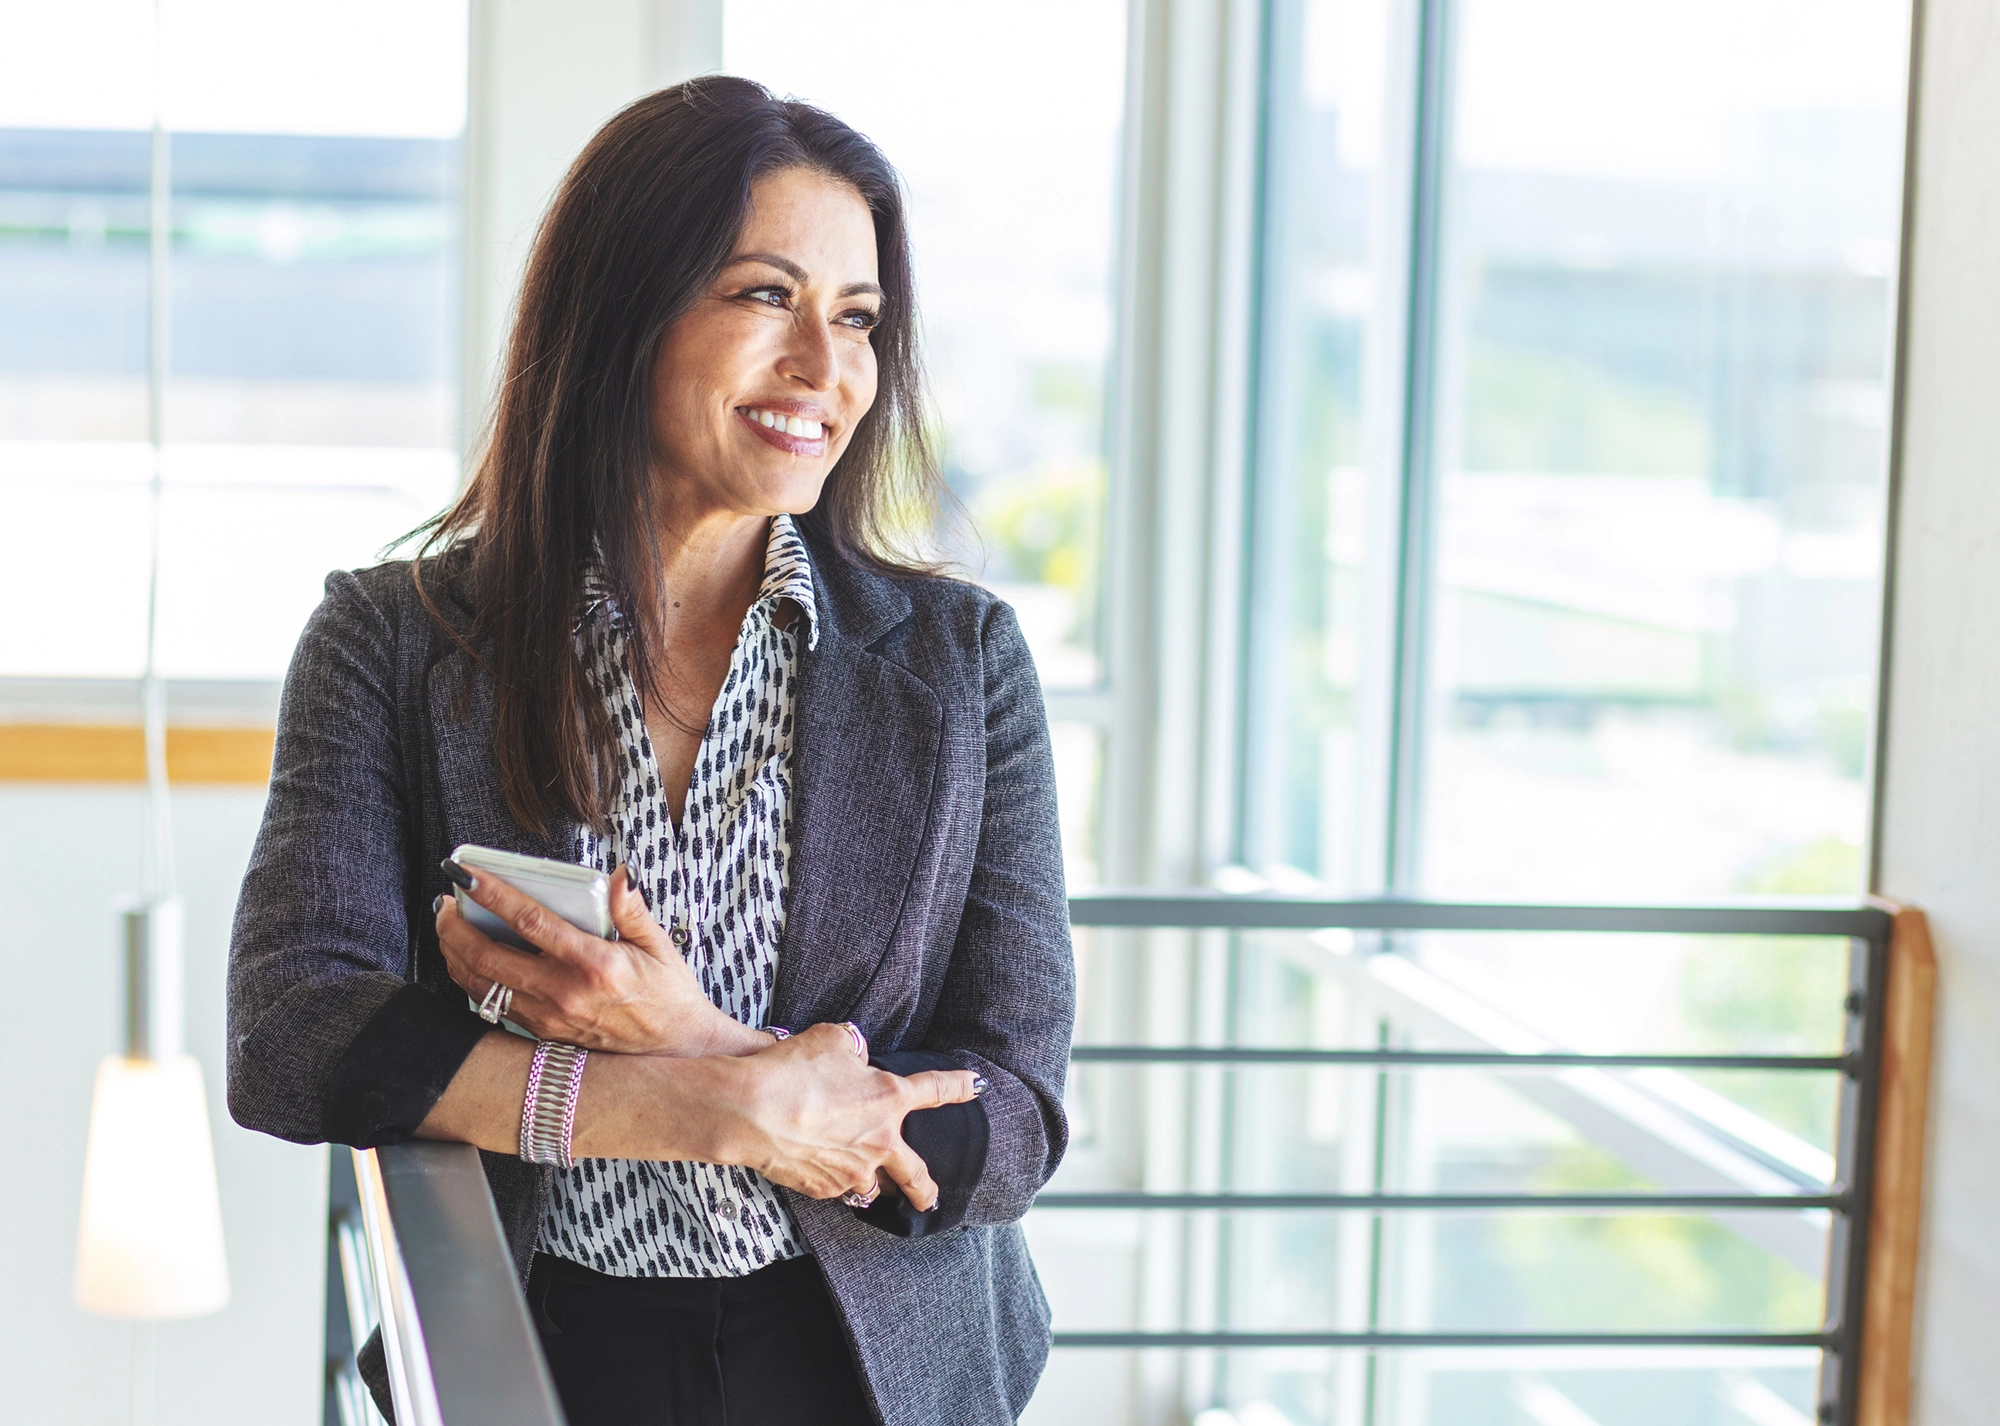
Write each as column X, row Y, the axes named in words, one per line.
column 150, row 1244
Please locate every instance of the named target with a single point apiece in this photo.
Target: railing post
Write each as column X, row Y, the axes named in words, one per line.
column 342, row 1208
column 1895, row 1235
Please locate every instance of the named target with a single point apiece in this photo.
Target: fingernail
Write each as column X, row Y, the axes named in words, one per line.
column 458, row 875
column 980, row 1085
column 437, row 904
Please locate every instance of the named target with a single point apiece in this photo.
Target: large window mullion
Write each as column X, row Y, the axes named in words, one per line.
column 1417, row 505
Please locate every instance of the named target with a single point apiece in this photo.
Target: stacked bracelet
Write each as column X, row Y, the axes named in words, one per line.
column 548, row 1111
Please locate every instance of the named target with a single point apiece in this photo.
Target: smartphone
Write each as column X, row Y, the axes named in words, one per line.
column 581, row 895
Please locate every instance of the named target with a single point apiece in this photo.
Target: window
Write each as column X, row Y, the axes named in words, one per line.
column 308, row 412
column 1559, row 569
column 1573, row 491
column 1012, row 202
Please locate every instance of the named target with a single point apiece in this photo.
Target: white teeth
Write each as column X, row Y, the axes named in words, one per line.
column 790, row 425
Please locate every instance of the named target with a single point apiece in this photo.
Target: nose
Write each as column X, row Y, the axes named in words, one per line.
column 810, row 358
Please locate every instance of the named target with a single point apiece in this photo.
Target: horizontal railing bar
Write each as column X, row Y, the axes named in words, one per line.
column 1444, row 1059
column 1451, row 1202
column 1824, row 1341
column 1271, row 911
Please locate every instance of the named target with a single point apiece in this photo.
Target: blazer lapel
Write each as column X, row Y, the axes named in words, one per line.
column 869, row 734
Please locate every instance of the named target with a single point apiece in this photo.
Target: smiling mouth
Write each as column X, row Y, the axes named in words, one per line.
column 795, row 435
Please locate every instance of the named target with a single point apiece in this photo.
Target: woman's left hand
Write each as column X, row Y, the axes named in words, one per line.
column 632, row 996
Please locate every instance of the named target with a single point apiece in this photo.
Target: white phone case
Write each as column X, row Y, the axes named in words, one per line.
column 581, row 895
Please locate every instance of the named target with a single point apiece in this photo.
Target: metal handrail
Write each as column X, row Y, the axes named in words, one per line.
column 1864, row 925
column 1442, row 1059
column 459, row 1345
column 1279, row 911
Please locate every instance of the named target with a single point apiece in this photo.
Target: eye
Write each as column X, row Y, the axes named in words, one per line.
column 772, row 296
column 861, row 319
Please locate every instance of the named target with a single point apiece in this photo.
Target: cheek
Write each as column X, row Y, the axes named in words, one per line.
column 706, row 352
column 859, row 377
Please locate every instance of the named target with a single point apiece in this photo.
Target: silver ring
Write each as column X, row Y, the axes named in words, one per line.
column 499, row 1000
column 862, row 1200
column 860, row 1046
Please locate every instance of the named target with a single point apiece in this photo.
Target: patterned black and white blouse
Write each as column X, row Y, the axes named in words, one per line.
column 717, row 882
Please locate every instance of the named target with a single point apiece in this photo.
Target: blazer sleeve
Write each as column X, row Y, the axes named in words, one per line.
column 1008, row 1003
column 328, row 1039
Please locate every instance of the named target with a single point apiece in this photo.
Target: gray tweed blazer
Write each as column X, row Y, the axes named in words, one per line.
column 926, row 904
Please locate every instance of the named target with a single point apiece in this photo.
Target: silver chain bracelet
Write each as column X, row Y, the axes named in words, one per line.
column 548, row 1111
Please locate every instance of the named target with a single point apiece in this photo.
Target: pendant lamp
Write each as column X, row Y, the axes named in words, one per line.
column 149, row 1246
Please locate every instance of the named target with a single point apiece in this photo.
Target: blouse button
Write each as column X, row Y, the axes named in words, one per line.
column 679, row 935
column 727, row 1208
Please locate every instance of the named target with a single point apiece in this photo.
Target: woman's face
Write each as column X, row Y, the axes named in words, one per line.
column 760, row 384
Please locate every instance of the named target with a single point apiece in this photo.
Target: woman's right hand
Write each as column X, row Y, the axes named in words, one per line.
column 815, row 1118
column 635, row 995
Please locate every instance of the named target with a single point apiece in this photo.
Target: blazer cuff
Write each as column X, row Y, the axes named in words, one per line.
column 399, row 1065
column 951, row 1140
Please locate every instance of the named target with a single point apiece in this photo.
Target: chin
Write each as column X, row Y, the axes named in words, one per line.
column 794, row 495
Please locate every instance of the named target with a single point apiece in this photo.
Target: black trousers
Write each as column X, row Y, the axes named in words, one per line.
column 763, row 1350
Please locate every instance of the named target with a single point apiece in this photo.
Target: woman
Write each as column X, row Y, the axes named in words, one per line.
column 665, row 632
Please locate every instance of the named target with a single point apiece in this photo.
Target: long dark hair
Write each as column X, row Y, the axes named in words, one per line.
column 645, row 219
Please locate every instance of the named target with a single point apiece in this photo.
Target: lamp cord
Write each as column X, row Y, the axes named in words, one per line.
column 159, row 855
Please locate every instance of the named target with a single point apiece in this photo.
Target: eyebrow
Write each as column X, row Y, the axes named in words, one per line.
column 798, row 274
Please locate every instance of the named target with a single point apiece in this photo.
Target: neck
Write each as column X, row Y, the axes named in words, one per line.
column 711, row 563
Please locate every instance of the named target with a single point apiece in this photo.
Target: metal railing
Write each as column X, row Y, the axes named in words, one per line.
column 421, row 1258
column 1865, row 927
column 416, row 1246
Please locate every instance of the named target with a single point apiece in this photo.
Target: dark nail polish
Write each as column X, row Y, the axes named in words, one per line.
column 980, row 1085
column 437, row 904
column 459, row 875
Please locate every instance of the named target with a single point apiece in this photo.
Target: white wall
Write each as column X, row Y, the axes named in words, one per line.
column 1940, row 833
column 66, row 855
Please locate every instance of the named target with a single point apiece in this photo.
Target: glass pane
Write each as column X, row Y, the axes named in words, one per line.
column 1079, row 758
column 75, row 95
column 274, row 519
column 312, row 296
column 312, row 412
column 1664, row 393
column 1326, row 446
column 1012, row 202
column 314, row 290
